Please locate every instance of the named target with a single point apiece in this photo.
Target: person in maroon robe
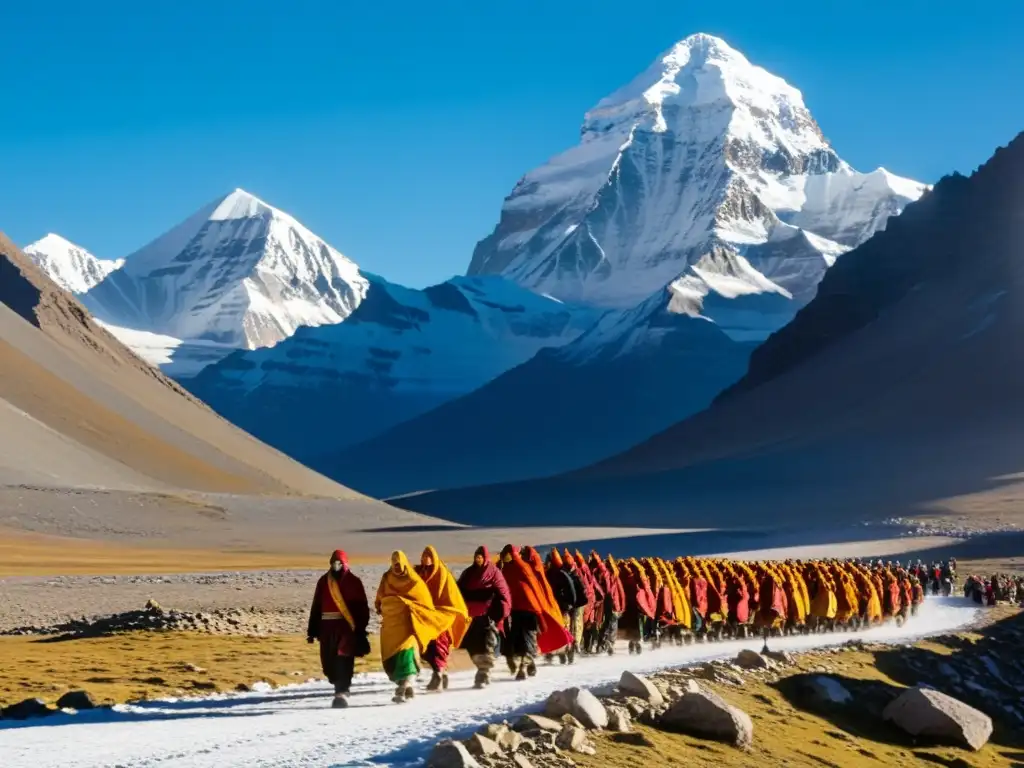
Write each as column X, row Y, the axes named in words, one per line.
column 338, row 618
column 489, row 603
column 640, row 608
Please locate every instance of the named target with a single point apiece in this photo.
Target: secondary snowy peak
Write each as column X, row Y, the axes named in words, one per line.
column 70, row 266
column 703, row 151
column 238, row 272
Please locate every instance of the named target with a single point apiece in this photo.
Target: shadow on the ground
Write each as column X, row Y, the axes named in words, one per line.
column 980, row 671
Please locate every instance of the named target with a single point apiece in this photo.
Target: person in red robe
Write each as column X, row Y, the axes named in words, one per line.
column 640, row 608
column 338, row 619
column 595, row 599
column 585, row 599
column 489, row 603
column 615, row 606
column 535, row 623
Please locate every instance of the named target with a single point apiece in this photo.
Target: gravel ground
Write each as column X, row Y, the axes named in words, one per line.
column 44, row 601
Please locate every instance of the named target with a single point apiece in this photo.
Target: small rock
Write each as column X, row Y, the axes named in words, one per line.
column 242, row 688
column 520, row 761
column 574, row 739
column 781, row 657
column 568, row 719
column 633, row 739
column 537, row 723
column 619, row 720
column 76, row 700
column 493, row 730
column 929, row 713
column 451, row 754
column 481, row 746
column 194, row 668
column 641, row 687
column 580, row 703
column 748, row 659
column 26, row 709
column 708, row 714
column 510, row 741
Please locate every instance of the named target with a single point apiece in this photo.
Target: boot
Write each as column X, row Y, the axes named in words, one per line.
column 521, row 674
column 531, row 668
column 444, row 681
column 340, row 701
column 562, row 658
column 480, row 680
column 571, row 655
column 409, row 691
column 399, row 697
column 435, row 682
column 512, row 666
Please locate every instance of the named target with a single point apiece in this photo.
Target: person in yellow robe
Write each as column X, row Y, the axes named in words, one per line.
column 409, row 621
column 448, row 599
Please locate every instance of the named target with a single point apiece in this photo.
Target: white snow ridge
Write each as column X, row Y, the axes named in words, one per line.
column 705, row 166
column 70, row 266
column 239, row 272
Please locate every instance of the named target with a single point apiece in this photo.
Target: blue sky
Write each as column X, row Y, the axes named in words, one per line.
column 394, row 130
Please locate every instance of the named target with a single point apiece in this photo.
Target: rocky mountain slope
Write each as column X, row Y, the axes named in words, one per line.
column 399, row 354
column 703, row 166
column 616, row 385
column 79, row 410
column 895, row 390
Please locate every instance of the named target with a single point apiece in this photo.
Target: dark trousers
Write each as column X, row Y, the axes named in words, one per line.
column 339, row 670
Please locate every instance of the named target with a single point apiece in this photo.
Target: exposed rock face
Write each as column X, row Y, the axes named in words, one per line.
column 826, row 690
column 581, row 704
column 924, row 712
column 709, row 715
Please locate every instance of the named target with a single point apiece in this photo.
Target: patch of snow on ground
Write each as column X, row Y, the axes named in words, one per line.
column 294, row 726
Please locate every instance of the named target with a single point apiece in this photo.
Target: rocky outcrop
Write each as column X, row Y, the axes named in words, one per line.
column 451, row 754
column 581, row 704
column 927, row 713
column 77, row 700
column 709, row 715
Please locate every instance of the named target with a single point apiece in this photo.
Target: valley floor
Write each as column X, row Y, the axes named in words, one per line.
column 293, row 726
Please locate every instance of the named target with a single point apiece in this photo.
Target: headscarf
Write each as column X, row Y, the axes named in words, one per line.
column 481, row 585
column 408, row 616
column 445, row 593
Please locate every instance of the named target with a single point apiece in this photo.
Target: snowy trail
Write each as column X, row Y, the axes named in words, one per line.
column 294, row 726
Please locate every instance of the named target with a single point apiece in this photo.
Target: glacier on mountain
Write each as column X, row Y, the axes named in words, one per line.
column 70, row 266
column 697, row 169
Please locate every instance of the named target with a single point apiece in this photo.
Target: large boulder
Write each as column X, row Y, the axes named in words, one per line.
column 451, row 754
column 748, row 659
column 641, row 687
column 924, row 712
column 26, row 709
column 76, row 700
column 708, row 715
column 580, row 703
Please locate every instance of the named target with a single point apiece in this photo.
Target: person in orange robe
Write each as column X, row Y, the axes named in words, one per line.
column 535, row 624
column 338, row 619
column 447, row 597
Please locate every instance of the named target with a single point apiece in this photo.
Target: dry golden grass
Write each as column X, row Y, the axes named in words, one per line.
column 148, row 665
column 31, row 554
column 787, row 735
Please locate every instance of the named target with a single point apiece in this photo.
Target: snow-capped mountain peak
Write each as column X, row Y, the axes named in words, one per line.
column 702, row 153
column 239, row 272
column 70, row 266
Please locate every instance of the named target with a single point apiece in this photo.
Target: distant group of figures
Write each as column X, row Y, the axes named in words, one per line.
column 524, row 607
column 1000, row 588
column 939, row 577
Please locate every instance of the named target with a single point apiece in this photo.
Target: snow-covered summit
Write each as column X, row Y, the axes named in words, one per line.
column 238, row 272
column 70, row 266
column 702, row 153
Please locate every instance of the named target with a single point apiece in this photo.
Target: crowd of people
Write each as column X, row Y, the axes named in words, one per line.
column 999, row 588
column 524, row 607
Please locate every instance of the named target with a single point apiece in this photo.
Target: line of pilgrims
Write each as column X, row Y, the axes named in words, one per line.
column 524, row 607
